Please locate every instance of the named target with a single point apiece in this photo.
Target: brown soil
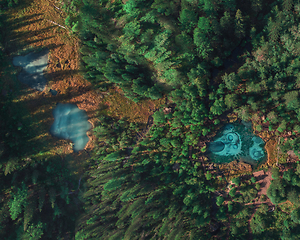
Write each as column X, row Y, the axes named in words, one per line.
column 264, row 179
column 32, row 28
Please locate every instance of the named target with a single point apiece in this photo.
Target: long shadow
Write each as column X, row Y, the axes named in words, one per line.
column 27, row 34
column 20, row 140
column 23, row 18
column 11, row 25
column 24, row 23
column 20, row 41
column 26, row 43
column 35, row 41
column 61, row 73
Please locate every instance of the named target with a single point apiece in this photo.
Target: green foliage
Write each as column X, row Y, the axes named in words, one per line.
column 230, row 206
column 201, row 39
column 277, row 192
column 293, row 196
column 295, row 215
column 208, row 176
column 9, row 3
column 188, row 19
column 220, row 200
column 34, row 232
column 239, row 25
column 236, row 181
column 231, row 81
column 275, row 173
column 226, row 22
column 288, row 175
column 261, row 220
column 114, row 156
column 253, row 179
column 113, row 184
column 232, row 192
column 159, row 117
column 18, row 201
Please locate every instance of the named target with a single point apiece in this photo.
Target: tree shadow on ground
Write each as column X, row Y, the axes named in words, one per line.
column 24, row 142
column 61, row 73
column 24, row 21
column 27, row 43
column 38, row 108
column 19, row 41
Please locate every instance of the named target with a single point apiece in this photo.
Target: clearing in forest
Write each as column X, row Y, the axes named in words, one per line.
column 40, row 24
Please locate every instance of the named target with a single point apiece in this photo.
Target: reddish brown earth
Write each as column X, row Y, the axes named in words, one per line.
column 32, row 28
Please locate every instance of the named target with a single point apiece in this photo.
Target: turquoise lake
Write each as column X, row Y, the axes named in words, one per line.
column 236, row 141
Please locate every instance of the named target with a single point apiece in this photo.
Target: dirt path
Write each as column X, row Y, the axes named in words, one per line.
column 264, row 179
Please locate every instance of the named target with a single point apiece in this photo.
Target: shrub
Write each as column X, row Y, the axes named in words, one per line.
column 295, row 215
column 253, row 179
column 232, row 192
column 276, row 192
column 220, row 200
column 288, row 175
column 293, row 196
column 236, row 181
column 275, row 173
column 208, row 176
column 263, row 197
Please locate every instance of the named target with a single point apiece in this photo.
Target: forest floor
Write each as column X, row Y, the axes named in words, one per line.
column 34, row 25
column 264, row 179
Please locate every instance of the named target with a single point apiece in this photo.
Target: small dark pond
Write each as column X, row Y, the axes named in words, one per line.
column 71, row 123
column 33, row 65
column 53, row 92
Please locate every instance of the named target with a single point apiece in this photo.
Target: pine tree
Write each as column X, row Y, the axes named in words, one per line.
column 226, row 23
column 18, row 201
column 256, row 5
column 231, row 81
column 114, row 156
column 291, row 100
column 295, row 215
column 239, row 30
column 230, row 5
column 287, row 5
column 273, row 28
column 188, row 19
column 201, row 39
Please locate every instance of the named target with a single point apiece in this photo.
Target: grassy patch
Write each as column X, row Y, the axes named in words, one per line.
column 121, row 107
column 271, row 148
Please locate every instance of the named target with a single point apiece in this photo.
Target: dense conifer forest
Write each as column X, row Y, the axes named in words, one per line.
column 210, row 62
